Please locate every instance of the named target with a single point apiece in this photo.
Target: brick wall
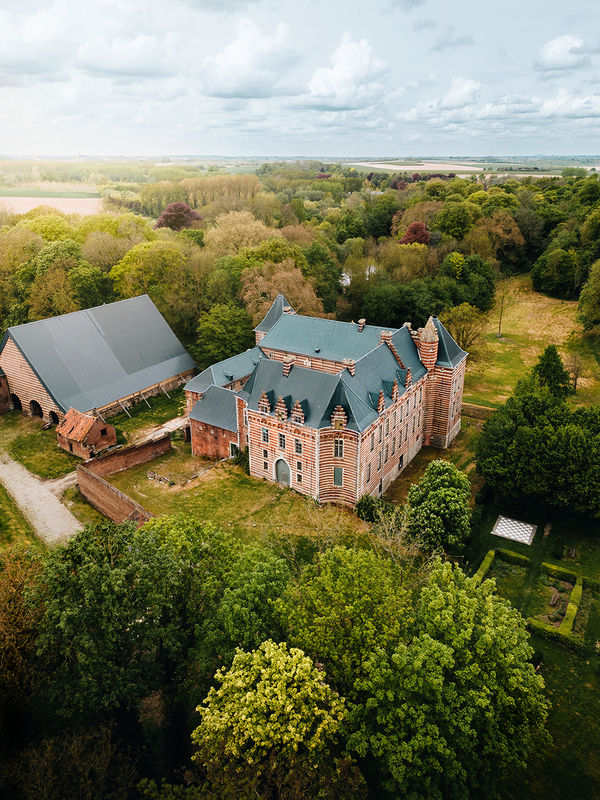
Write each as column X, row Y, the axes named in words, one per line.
column 4, row 395
column 111, row 502
column 311, row 362
column 210, row 441
column 130, row 456
column 24, row 383
column 328, row 462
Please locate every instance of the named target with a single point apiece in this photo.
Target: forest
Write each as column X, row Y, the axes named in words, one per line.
column 179, row 660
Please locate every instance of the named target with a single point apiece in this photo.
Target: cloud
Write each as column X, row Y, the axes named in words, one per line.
column 462, row 92
column 567, row 105
column 352, row 81
column 450, row 40
column 424, row 24
column 253, row 64
column 407, row 5
column 140, row 56
column 564, row 52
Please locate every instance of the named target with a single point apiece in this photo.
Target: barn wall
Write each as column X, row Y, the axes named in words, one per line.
column 24, row 382
column 210, row 441
column 4, row 395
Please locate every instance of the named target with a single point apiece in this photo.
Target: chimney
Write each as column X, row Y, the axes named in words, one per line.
column 385, row 336
column 288, row 310
column 361, row 325
column 287, row 365
column 350, row 365
column 428, row 344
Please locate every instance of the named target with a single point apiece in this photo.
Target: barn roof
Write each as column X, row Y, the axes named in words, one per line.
column 92, row 358
column 216, row 407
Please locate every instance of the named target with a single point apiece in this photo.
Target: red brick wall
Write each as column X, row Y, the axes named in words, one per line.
column 111, row 502
column 130, row 456
column 311, row 362
column 4, row 395
column 24, row 382
column 346, row 493
column 207, row 440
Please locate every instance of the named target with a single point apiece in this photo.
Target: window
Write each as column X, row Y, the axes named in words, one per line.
column 298, row 446
column 368, row 478
column 372, row 442
column 401, row 462
column 393, row 446
column 420, row 394
column 265, row 466
column 265, row 435
column 394, row 420
column 103, row 432
column 413, row 430
column 281, row 441
column 386, row 452
column 419, row 422
column 299, row 466
column 338, row 476
column 387, row 426
column 380, row 433
column 414, row 400
column 379, row 460
column 400, row 440
column 265, row 454
column 338, row 448
column 400, row 416
column 298, row 478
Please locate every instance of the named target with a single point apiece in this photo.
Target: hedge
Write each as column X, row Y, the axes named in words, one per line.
column 512, row 557
column 548, row 631
column 566, row 626
column 558, row 572
column 484, row 566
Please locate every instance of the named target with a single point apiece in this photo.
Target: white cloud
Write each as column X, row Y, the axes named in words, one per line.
column 352, row 81
column 462, row 92
column 564, row 52
column 452, row 41
column 140, row 56
column 567, row 105
column 253, row 64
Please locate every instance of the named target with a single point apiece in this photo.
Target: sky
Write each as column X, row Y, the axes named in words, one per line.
column 299, row 77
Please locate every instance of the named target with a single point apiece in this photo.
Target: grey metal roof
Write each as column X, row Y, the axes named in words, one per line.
column 92, row 358
column 273, row 314
column 216, row 407
column 226, row 371
column 407, row 350
column 324, row 338
column 449, row 353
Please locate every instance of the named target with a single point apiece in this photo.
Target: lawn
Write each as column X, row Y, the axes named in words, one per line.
column 142, row 417
column 25, row 441
column 226, row 495
column 530, row 322
column 80, row 508
column 14, row 528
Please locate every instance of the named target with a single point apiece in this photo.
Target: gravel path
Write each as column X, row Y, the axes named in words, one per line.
column 51, row 520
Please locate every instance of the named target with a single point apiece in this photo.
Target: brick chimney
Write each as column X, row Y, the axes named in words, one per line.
column 288, row 310
column 385, row 336
column 349, row 363
column 287, row 365
column 361, row 325
column 428, row 344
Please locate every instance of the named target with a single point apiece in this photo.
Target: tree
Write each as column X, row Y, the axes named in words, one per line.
column 551, row 372
column 416, row 232
column 50, row 227
column 457, row 704
column 223, row 331
column 177, row 216
column 271, row 727
column 235, row 230
column 261, row 285
column 454, row 220
column 589, row 300
column 341, row 608
column 439, row 512
column 468, row 327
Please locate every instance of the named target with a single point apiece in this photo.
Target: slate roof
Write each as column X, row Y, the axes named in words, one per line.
column 273, row 314
column 90, row 359
column 75, row 425
column 226, row 371
column 449, row 353
column 216, row 407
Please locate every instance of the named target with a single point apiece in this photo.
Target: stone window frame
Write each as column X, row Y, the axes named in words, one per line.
column 338, row 448
column 338, row 476
column 265, row 435
column 282, row 441
column 298, row 447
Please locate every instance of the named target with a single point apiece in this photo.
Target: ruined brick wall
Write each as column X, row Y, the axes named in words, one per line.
column 4, row 394
column 130, row 456
column 111, row 502
column 210, row 441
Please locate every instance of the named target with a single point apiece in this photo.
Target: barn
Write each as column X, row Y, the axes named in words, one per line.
column 101, row 359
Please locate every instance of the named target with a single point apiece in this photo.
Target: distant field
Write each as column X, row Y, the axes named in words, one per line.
column 67, row 202
column 530, row 322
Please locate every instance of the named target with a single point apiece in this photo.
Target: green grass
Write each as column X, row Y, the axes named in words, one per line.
column 509, row 579
column 80, row 508
column 161, row 410
column 25, row 441
column 14, row 528
column 251, row 508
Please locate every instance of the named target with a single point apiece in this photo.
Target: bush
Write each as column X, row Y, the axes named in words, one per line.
column 512, row 557
column 242, row 458
column 559, row 572
column 372, row 508
column 548, row 631
column 485, row 566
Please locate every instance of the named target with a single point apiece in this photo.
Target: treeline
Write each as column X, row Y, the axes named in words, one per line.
column 175, row 661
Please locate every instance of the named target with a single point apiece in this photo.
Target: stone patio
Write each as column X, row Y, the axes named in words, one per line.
column 514, row 529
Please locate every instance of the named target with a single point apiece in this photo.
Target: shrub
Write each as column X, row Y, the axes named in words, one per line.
column 372, row 508
column 512, row 557
column 559, row 572
column 485, row 566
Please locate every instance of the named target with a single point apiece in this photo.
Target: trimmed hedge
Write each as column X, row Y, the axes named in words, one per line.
column 512, row 557
column 548, row 631
column 558, row 572
column 566, row 626
column 485, row 566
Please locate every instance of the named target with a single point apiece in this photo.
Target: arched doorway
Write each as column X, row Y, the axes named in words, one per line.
column 282, row 472
column 36, row 409
column 15, row 402
column 54, row 417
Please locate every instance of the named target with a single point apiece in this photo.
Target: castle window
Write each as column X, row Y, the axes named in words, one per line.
column 386, row 452
column 419, row 422
column 420, row 394
column 393, row 446
column 265, row 435
column 387, row 426
column 338, row 448
column 298, row 446
column 394, row 420
column 380, row 433
column 265, row 466
column 413, row 430
column 281, row 441
column 298, row 478
column 265, row 453
column 379, row 460
column 338, row 476
column 299, row 466
column 368, row 478
column 372, row 442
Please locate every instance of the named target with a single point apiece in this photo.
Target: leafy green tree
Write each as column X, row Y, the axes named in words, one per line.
column 439, row 511
column 589, row 300
column 342, row 607
column 448, row 711
column 223, row 331
column 454, row 220
column 271, row 728
column 551, row 372
column 50, row 227
column 468, row 326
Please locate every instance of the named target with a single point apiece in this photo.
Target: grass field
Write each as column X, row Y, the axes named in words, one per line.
column 4, row 192
column 14, row 528
column 142, row 418
column 530, row 322
column 25, row 441
column 253, row 509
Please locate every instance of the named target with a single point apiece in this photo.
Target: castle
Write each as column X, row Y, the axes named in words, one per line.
column 335, row 410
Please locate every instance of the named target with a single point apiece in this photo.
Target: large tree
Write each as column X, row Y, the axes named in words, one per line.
column 177, row 216
column 551, row 372
column 223, row 331
column 589, row 301
column 457, row 704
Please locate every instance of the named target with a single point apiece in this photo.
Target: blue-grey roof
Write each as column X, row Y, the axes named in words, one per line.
column 407, row 350
column 324, row 338
column 90, row 359
column 449, row 353
column 273, row 314
column 226, row 371
column 216, row 407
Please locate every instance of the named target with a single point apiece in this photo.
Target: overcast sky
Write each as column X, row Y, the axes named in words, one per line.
column 299, row 77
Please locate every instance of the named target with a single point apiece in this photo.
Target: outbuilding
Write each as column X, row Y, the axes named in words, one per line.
column 84, row 435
